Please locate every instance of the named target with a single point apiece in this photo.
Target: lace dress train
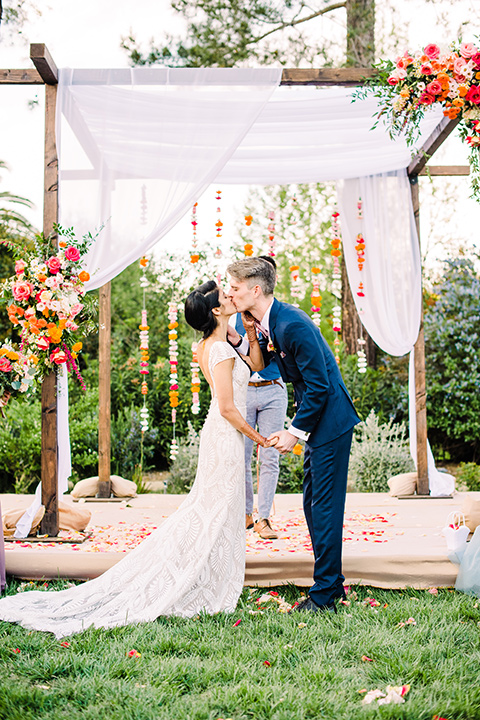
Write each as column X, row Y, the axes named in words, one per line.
column 194, row 562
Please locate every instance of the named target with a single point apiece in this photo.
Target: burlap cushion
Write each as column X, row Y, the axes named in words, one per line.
column 471, row 510
column 403, row 484
column 122, row 487
column 73, row 518
column 11, row 518
column 85, row 488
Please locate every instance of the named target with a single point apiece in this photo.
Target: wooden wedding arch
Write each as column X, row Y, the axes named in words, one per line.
column 45, row 73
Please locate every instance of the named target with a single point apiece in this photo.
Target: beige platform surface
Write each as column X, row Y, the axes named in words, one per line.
column 388, row 542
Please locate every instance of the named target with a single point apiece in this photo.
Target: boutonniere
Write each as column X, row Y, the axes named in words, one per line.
column 271, row 347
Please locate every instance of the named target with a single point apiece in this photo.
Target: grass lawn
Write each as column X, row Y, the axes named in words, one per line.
column 270, row 665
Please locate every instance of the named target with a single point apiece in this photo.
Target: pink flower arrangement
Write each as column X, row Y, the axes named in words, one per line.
column 46, row 302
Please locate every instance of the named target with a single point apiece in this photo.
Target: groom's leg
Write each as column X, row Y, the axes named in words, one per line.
column 328, row 469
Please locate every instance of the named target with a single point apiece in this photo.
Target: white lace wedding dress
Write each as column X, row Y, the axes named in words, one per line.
column 194, row 562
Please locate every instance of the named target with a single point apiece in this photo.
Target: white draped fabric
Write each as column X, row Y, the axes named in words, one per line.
column 137, row 147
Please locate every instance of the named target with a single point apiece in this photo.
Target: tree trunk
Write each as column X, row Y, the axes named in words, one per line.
column 361, row 53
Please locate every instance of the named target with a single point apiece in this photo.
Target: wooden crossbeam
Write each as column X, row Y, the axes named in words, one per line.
column 326, row 76
column 21, row 77
column 42, row 60
column 438, row 136
column 445, row 170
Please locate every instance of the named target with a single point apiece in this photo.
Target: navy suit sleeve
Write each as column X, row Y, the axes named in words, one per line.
column 308, row 349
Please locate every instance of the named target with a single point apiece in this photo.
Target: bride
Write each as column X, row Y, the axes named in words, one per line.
column 195, row 562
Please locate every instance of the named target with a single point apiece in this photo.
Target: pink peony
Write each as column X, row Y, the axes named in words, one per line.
column 72, row 254
column 426, row 69
column 433, row 51
column 434, row 88
column 43, row 342
column 468, row 50
column 5, row 365
column 54, row 264
column 19, row 267
column 22, row 290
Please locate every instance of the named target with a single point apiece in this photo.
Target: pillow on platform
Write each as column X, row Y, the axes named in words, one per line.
column 403, row 484
column 122, row 487
column 471, row 510
column 11, row 518
column 85, row 488
column 73, row 518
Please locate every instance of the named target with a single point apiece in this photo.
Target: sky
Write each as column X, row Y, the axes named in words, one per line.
column 89, row 35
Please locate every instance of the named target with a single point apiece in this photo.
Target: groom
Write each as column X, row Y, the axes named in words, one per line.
column 325, row 419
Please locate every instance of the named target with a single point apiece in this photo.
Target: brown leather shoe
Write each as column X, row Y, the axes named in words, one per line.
column 265, row 530
column 248, row 521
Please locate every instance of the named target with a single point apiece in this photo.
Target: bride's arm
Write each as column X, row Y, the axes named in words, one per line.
column 222, row 374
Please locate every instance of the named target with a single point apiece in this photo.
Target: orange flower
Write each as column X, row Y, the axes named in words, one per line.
column 462, row 90
column 77, row 347
column 144, row 262
column 62, row 244
column 297, row 450
column 84, row 276
column 335, row 253
column 194, row 258
column 172, row 326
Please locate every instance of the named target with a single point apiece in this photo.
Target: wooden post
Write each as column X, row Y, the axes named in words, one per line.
column 104, row 340
column 49, row 525
column 423, row 487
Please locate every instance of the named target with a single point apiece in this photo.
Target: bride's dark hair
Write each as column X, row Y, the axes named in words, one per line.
column 199, row 305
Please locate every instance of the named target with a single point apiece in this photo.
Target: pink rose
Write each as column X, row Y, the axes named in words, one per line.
column 54, row 264
column 433, row 51
column 401, row 73
column 473, row 95
column 19, row 267
column 5, row 365
column 434, row 88
column 426, row 99
column 72, row 254
column 22, row 290
column 392, row 80
column 71, row 326
column 459, row 65
column 426, row 69
column 75, row 309
column 468, row 50
column 43, row 342
column 30, row 313
column 476, row 59
column 58, row 357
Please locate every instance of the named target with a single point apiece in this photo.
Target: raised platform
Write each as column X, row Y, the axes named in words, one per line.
column 388, row 543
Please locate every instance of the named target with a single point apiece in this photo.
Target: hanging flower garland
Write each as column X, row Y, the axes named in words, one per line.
column 144, row 354
column 335, row 252
column 295, row 289
column 173, row 360
column 271, row 234
column 194, row 256
column 360, row 250
column 315, row 297
column 448, row 76
column 248, row 246
column 219, row 223
column 195, row 384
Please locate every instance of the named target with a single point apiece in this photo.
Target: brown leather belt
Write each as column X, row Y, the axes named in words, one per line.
column 263, row 383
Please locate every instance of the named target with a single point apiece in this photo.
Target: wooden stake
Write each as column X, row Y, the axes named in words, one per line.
column 423, row 487
column 49, row 524
column 104, row 483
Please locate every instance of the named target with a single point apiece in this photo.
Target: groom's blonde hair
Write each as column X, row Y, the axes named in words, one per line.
column 254, row 271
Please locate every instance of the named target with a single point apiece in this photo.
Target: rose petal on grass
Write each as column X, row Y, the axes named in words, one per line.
column 134, row 654
column 237, row 623
column 367, row 659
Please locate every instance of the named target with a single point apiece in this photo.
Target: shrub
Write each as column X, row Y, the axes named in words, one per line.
column 129, row 449
column 378, row 452
column 20, row 445
column 290, row 477
column 184, row 468
column 468, row 474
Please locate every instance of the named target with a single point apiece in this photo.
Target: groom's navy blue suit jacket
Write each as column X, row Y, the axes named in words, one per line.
column 324, row 407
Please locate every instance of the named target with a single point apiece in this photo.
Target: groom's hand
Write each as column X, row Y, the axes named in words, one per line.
column 285, row 441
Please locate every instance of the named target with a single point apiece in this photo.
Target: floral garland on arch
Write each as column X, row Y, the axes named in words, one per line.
column 449, row 76
column 47, row 306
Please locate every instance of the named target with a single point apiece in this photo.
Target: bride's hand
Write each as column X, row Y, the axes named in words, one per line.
column 248, row 320
column 270, row 442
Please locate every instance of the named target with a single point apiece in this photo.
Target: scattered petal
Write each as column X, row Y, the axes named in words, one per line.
column 237, row 623
column 367, row 659
column 134, row 654
column 302, row 625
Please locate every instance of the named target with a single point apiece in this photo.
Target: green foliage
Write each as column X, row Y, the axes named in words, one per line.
column 452, row 335
column 468, row 474
column 290, row 476
column 211, row 667
column 129, row 449
column 220, row 34
column 20, row 445
column 184, row 467
column 378, row 452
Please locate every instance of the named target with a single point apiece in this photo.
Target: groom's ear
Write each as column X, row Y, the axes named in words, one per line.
column 257, row 291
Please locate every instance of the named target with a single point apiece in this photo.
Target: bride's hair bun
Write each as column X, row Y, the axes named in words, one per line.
column 199, row 305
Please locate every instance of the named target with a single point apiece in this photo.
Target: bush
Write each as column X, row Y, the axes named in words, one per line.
column 468, row 474
column 378, row 452
column 127, row 452
column 290, row 477
column 20, row 445
column 184, row 468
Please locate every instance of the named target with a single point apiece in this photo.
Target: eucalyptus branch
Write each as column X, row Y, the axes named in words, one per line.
column 292, row 23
